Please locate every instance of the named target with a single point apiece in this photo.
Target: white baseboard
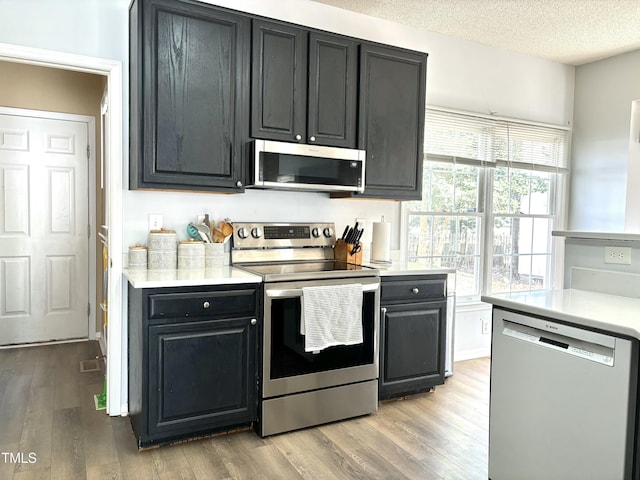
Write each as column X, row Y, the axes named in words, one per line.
column 471, row 354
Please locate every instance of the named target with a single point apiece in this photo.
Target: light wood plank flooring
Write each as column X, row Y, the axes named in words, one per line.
column 46, row 408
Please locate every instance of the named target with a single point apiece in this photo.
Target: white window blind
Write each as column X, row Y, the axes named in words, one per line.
column 456, row 137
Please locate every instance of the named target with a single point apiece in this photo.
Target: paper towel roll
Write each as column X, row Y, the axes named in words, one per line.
column 381, row 242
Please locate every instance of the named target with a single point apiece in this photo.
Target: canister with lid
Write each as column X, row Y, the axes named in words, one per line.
column 137, row 257
column 214, row 255
column 190, row 255
column 162, row 250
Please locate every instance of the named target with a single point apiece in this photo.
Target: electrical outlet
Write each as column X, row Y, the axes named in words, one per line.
column 155, row 221
column 619, row 255
column 486, row 326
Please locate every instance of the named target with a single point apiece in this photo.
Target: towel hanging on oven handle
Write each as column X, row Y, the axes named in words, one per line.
column 297, row 292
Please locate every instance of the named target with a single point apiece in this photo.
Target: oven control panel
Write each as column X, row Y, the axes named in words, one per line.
column 279, row 235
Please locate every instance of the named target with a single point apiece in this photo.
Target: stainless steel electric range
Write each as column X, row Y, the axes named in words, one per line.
column 300, row 388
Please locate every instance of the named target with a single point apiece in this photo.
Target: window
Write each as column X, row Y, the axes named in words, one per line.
column 489, row 202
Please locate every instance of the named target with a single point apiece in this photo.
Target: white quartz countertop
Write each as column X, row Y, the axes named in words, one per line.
column 401, row 268
column 189, row 278
column 610, row 313
column 600, row 236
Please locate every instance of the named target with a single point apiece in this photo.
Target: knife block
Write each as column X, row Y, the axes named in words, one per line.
column 342, row 253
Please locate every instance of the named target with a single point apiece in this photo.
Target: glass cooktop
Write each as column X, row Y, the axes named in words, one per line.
column 277, row 271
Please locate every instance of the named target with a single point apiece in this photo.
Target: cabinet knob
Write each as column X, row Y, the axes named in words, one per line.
column 239, row 184
column 206, row 304
column 415, row 290
column 254, row 321
column 298, row 137
column 312, row 139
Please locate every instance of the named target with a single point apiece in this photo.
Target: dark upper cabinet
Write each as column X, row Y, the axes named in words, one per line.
column 189, row 68
column 333, row 101
column 303, row 85
column 204, row 80
column 391, row 120
column 278, row 81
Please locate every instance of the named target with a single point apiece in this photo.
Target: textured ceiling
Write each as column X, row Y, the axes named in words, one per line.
column 566, row 31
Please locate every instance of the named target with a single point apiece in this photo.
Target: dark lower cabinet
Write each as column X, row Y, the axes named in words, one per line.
column 189, row 104
column 412, row 334
column 192, row 359
column 391, row 122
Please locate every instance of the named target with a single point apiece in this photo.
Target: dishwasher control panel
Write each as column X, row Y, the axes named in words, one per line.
column 572, row 346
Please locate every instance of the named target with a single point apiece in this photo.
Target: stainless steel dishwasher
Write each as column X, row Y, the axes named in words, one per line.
column 562, row 401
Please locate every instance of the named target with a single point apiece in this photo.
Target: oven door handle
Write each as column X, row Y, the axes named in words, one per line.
column 297, row 292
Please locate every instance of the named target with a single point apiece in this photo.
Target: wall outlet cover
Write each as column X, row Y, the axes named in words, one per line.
column 155, row 221
column 617, row 255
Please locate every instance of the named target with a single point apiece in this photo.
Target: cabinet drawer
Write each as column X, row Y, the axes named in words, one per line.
column 413, row 289
column 202, row 304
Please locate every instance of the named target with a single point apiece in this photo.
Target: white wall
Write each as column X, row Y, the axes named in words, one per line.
column 588, row 253
column 470, row 340
column 632, row 209
column 604, row 92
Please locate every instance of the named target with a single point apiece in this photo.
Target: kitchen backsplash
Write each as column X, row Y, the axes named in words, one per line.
column 180, row 208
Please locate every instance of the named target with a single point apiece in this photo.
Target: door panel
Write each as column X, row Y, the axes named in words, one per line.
column 199, row 374
column 43, row 229
column 279, row 82
column 391, row 128
column 333, row 101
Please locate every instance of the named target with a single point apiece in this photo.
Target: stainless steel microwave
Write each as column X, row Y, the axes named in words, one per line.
column 295, row 166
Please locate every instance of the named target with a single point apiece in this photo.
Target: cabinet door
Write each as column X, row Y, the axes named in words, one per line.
column 200, row 375
column 391, row 125
column 412, row 348
column 278, row 82
column 332, row 106
column 193, row 65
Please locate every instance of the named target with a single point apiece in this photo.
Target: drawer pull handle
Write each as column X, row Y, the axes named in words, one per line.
column 254, row 321
column 415, row 290
column 206, row 304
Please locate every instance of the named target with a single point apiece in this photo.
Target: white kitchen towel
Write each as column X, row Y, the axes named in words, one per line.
column 331, row 315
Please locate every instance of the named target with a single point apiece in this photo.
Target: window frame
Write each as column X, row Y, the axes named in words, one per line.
column 487, row 217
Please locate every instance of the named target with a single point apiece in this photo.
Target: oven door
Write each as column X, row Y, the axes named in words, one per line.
column 287, row 368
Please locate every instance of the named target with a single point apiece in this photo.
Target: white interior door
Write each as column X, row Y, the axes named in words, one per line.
column 44, row 221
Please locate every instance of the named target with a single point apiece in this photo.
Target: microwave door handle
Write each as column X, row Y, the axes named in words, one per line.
column 297, row 292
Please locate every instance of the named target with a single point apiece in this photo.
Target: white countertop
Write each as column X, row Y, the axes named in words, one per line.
column 401, row 268
column 230, row 275
column 611, row 313
column 618, row 236
column 189, row 278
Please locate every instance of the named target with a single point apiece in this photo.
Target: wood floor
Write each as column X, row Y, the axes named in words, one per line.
column 48, row 418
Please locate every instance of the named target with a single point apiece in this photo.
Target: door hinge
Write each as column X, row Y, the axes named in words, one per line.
column 88, row 151
column 89, row 231
column 88, row 309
